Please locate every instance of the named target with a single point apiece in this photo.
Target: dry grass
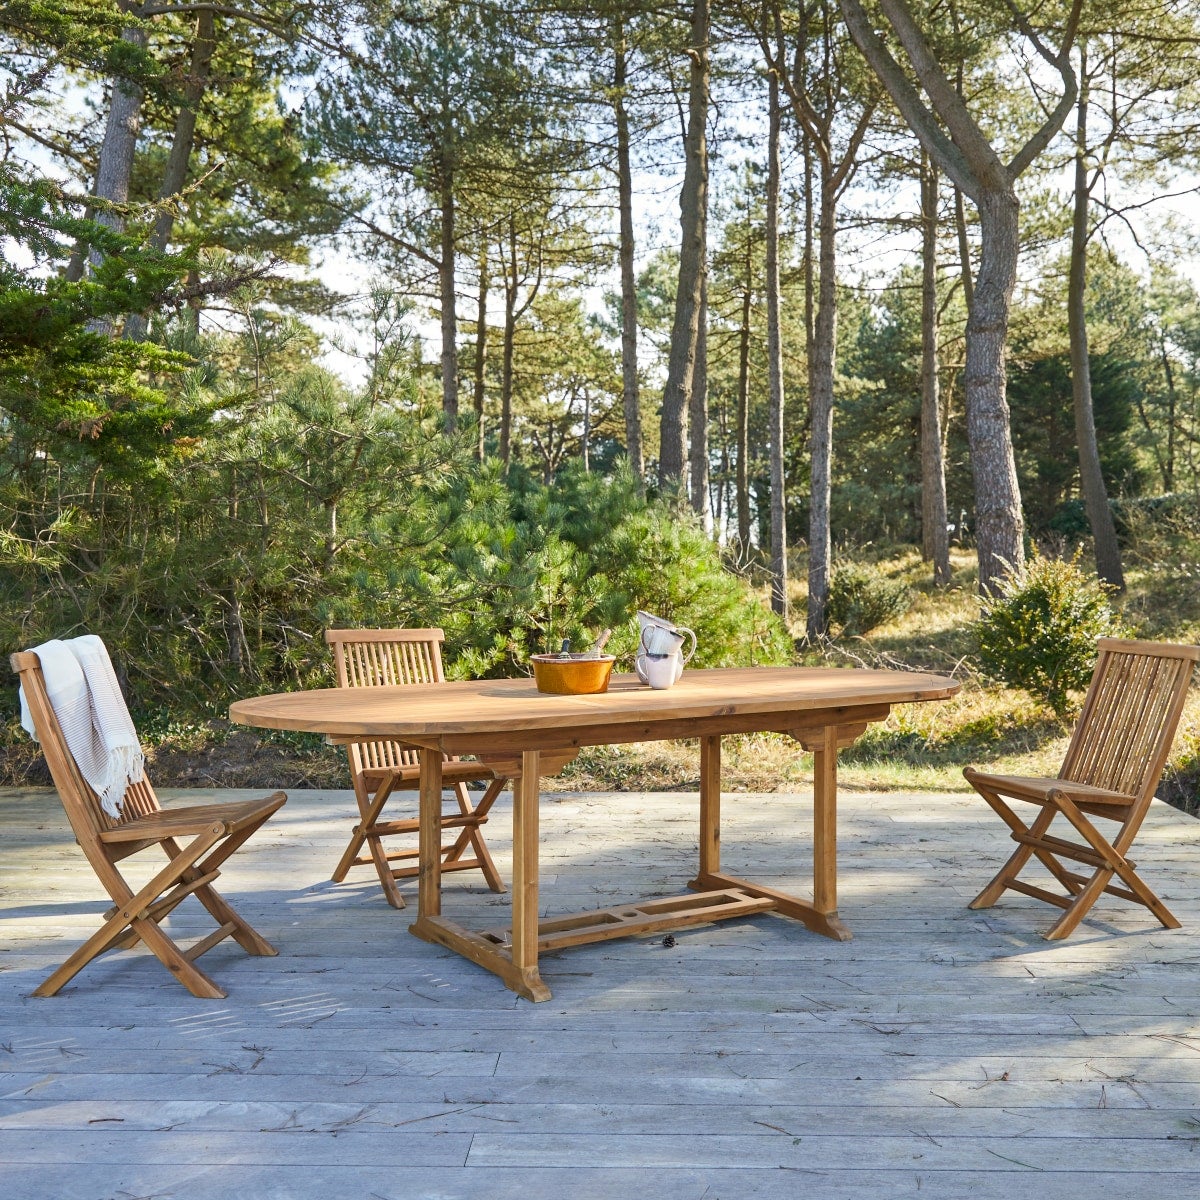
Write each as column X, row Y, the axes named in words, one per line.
column 925, row 746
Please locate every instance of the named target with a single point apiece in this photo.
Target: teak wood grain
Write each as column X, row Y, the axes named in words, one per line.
column 825, row 709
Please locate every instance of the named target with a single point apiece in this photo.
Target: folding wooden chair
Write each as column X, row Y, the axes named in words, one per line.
column 1113, row 764
column 394, row 658
column 214, row 831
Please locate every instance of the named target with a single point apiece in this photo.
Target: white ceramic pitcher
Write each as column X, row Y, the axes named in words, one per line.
column 661, row 659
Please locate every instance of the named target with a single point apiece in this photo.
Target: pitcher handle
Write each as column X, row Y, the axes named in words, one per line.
column 687, row 658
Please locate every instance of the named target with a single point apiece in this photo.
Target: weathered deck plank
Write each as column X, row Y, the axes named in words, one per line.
column 940, row 1053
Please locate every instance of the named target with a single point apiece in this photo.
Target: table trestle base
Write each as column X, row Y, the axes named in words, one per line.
column 639, row 917
column 525, row 981
column 787, row 905
column 492, row 948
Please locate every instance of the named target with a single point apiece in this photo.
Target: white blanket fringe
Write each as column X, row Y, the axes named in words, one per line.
column 83, row 691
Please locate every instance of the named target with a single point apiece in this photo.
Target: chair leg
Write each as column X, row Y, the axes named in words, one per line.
column 1021, row 855
column 368, row 813
column 472, row 835
column 129, row 921
column 369, row 809
column 1115, row 863
column 218, row 907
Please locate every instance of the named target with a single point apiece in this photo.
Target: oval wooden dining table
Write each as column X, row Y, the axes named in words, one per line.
column 824, row 709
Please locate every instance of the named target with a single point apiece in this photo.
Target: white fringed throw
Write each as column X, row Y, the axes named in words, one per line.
column 83, row 691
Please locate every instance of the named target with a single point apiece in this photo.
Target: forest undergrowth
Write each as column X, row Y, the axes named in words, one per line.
column 920, row 747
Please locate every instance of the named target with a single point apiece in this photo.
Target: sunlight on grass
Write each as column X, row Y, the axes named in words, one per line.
column 924, row 747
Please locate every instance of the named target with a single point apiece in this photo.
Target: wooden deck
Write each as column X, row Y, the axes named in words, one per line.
column 941, row 1053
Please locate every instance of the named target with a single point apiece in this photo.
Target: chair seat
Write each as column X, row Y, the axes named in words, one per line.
column 184, row 822
column 1037, row 790
column 452, row 772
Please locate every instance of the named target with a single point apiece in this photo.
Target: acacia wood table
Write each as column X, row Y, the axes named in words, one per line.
column 824, row 709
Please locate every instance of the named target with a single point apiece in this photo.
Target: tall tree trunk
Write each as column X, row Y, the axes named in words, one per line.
column 629, row 319
column 810, row 248
column 964, row 247
column 1167, row 464
column 175, row 174
column 1091, row 477
column 447, row 291
column 935, row 536
column 480, row 381
column 721, row 491
column 999, row 522
column 779, row 563
column 820, row 391
column 742, row 490
column 115, row 166
column 693, row 210
column 510, row 333
column 698, row 419
column 204, row 45
column 959, row 146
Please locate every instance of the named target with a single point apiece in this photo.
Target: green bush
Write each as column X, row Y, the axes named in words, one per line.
column 1038, row 632
column 862, row 597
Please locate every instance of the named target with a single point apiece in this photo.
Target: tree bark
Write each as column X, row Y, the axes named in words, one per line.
column 693, row 210
column 698, row 419
column 480, row 389
column 779, row 563
column 820, row 392
column 510, row 333
column 115, row 166
column 999, row 522
column 629, row 321
column 742, row 489
column 935, row 536
column 964, row 247
column 447, row 294
column 1091, row 477
column 175, row 175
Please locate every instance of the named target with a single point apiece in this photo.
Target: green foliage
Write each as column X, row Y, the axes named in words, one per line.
column 1043, row 428
column 64, row 381
column 861, row 597
column 1039, row 632
column 307, row 505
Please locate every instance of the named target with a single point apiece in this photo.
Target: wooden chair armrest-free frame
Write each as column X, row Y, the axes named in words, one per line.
column 196, row 840
column 1112, row 767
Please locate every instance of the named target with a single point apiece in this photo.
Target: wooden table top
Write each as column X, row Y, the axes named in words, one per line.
column 511, row 707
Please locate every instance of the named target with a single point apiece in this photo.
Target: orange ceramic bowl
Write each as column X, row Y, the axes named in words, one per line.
column 575, row 676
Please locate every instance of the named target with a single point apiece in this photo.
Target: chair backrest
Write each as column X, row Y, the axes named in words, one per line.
column 385, row 658
column 1129, row 716
column 88, row 819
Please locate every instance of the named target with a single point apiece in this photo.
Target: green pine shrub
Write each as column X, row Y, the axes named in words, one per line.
column 862, row 597
column 1038, row 632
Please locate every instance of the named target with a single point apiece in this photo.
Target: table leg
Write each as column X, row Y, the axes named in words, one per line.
column 511, row 953
column 820, row 913
column 710, row 807
column 525, row 878
column 825, row 824
column 429, row 835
